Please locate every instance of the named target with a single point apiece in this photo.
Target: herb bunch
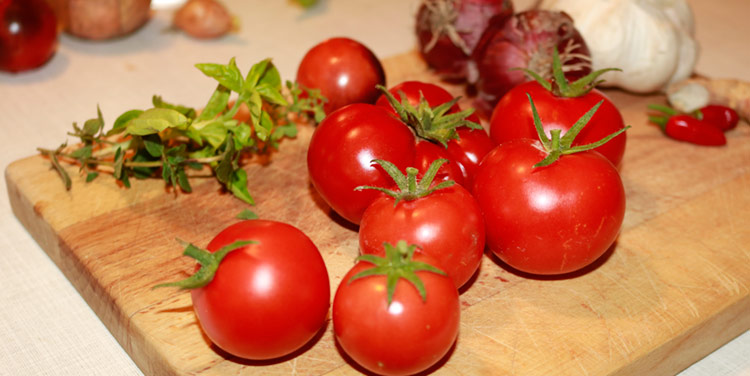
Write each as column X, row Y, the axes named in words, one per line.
column 168, row 139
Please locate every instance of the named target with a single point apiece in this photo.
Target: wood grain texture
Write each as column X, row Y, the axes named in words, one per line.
column 674, row 287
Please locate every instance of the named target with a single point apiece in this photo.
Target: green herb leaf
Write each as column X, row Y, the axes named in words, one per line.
column 247, row 214
column 227, row 75
column 154, row 121
column 238, row 186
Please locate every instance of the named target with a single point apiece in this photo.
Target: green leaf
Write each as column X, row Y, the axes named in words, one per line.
column 156, row 120
column 122, row 120
column 60, row 170
column 247, row 214
column 182, row 180
column 154, row 148
column 216, row 104
column 264, row 127
column 256, row 72
column 119, row 160
column 238, row 186
column 159, row 103
column 212, row 131
column 91, row 176
column 83, row 153
column 227, row 75
column 92, row 126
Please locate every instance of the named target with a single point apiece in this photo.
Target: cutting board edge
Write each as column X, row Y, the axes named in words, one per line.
column 43, row 233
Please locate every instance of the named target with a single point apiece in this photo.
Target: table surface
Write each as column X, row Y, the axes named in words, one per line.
column 46, row 327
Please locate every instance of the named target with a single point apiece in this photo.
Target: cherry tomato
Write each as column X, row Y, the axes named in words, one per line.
column 512, row 118
column 344, row 70
column 548, row 220
column 721, row 116
column 446, row 224
column 28, row 34
column 341, row 151
column 427, row 152
column 467, row 151
column 401, row 338
column 253, row 306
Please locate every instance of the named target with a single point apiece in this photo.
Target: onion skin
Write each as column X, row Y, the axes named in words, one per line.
column 470, row 18
column 525, row 40
column 101, row 19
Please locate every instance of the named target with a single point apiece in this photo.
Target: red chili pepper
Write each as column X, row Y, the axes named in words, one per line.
column 690, row 129
column 687, row 128
column 721, row 116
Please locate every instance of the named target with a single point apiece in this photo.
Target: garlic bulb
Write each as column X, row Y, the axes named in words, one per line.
column 650, row 40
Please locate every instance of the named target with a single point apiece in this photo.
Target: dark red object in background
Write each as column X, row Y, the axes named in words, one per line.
column 28, row 34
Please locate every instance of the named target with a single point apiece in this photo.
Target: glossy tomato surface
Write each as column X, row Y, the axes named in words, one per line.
column 344, row 70
column 512, row 118
column 548, row 220
column 28, row 34
column 446, row 225
column 467, row 151
column 403, row 338
column 341, row 151
column 251, row 309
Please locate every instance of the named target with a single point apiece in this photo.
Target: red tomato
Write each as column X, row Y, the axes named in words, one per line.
column 344, row 70
column 428, row 152
column 548, row 220
column 340, row 154
column 403, row 338
column 447, row 225
column 251, row 308
column 28, row 34
column 464, row 153
column 512, row 118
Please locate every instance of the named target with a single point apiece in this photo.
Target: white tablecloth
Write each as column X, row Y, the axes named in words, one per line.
column 45, row 326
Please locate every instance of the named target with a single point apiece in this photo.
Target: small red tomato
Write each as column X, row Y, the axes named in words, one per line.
column 467, row 150
column 721, row 116
column 512, row 118
column 344, row 70
column 548, row 220
column 443, row 220
column 248, row 309
column 399, row 334
column 341, row 151
column 28, row 34
column 689, row 129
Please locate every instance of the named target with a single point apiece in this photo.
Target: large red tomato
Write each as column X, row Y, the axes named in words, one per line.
column 553, row 219
column 512, row 118
column 446, row 224
column 466, row 151
column 404, row 337
column 248, row 309
column 344, row 70
column 341, row 151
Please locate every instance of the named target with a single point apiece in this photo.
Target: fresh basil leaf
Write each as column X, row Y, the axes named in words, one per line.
column 247, row 214
column 228, row 75
column 159, row 103
column 154, row 148
column 238, row 186
column 256, row 72
column 216, row 104
column 155, row 120
column 122, row 120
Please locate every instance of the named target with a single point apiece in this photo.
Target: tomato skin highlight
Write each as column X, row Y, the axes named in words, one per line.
column 245, row 309
column 404, row 338
column 344, row 70
column 512, row 118
column 446, row 225
column 341, row 151
column 548, row 220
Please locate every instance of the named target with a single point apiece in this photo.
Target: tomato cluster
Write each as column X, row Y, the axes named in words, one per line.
column 430, row 191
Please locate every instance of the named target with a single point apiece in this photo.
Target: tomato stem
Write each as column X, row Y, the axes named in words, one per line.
column 560, row 86
column 408, row 187
column 396, row 264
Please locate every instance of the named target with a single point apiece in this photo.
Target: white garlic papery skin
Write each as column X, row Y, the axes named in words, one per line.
column 651, row 41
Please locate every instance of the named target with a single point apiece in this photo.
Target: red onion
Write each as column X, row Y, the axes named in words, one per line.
column 525, row 40
column 448, row 31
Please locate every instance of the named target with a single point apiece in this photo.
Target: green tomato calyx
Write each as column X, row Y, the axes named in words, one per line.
column 397, row 263
column 209, row 264
column 408, row 187
column 560, row 86
column 557, row 145
column 431, row 123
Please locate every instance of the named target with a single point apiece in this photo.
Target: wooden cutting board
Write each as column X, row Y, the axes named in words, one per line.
column 673, row 288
